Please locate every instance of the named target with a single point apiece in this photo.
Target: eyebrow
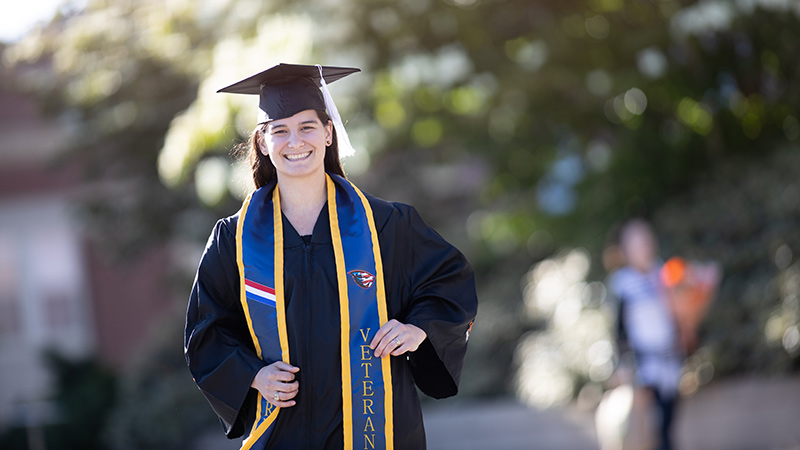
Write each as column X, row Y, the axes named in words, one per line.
column 305, row 122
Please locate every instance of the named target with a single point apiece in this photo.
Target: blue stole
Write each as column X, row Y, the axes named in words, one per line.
column 367, row 409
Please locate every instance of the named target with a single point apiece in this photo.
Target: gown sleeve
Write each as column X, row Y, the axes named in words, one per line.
column 217, row 344
column 443, row 304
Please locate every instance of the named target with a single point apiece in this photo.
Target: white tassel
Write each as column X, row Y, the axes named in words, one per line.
column 345, row 147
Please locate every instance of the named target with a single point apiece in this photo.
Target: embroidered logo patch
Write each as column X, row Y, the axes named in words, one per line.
column 362, row 278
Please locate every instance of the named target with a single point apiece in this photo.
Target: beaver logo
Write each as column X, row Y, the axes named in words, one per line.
column 362, row 278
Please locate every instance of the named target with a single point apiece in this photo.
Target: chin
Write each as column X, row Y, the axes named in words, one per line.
column 303, row 172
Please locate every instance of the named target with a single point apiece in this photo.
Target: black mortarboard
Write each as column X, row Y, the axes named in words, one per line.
column 286, row 89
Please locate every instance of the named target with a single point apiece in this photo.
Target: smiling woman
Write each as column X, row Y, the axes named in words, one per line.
column 318, row 309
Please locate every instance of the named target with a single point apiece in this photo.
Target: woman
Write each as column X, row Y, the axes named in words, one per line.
column 317, row 309
column 647, row 325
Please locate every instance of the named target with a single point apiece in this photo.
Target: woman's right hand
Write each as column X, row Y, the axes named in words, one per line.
column 276, row 383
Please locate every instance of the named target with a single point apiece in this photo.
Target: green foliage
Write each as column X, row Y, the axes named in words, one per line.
column 580, row 112
column 110, row 77
column 84, row 394
column 159, row 407
column 585, row 111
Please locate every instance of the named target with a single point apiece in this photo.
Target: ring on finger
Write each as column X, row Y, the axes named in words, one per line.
column 277, row 397
column 396, row 342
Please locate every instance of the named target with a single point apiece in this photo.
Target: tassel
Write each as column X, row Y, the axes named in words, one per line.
column 345, row 147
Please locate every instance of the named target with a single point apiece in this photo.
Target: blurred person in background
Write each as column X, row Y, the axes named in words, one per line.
column 318, row 310
column 661, row 306
column 647, row 327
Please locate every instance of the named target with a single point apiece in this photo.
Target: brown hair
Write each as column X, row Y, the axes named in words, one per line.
column 262, row 167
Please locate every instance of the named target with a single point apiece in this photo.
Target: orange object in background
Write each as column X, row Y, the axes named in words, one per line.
column 673, row 271
column 690, row 289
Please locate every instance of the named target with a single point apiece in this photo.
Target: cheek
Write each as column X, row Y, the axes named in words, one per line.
column 270, row 144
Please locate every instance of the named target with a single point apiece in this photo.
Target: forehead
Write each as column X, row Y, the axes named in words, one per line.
column 308, row 115
column 637, row 231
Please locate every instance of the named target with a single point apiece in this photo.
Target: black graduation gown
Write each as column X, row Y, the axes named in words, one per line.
column 429, row 284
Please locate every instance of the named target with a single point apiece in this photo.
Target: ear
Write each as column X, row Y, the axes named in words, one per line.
column 262, row 142
column 329, row 130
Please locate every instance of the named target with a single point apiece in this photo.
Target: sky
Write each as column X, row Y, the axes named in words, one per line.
column 19, row 18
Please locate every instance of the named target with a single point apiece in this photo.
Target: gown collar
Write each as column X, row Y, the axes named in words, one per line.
column 320, row 235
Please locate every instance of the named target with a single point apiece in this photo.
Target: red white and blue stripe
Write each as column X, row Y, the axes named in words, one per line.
column 259, row 292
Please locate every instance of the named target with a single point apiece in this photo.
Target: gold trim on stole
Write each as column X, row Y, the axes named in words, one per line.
column 383, row 317
column 280, row 307
column 344, row 312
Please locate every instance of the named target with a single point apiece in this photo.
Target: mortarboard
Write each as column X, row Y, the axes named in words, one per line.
column 286, row 89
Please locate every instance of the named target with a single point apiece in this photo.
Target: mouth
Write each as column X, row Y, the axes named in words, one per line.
column 297, row 156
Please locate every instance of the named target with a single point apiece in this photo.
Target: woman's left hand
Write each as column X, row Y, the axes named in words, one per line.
column 396, row 338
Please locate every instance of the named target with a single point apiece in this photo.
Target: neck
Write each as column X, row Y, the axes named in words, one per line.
column 302, row 199
column 644, row 267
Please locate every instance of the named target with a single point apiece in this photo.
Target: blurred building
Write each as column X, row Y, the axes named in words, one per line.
column 57, row 291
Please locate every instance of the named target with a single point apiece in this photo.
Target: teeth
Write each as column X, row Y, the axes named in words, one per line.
column 298, row 156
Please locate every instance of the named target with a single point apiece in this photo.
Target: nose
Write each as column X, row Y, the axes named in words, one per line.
column 295, row 141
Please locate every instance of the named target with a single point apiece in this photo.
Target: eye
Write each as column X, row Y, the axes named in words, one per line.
column 307, row 128
column 278, row 132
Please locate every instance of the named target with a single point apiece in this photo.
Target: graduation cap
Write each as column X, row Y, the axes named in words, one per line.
column 286, row 89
